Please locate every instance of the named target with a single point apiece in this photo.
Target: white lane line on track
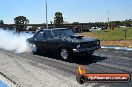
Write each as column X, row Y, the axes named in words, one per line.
column 117, row 48
column 114, row 66
column 113, row 56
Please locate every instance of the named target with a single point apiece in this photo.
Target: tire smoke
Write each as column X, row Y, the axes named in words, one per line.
column 10, row 40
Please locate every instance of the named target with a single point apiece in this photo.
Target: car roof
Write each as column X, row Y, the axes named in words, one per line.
column 56, row 29
column 53, row 29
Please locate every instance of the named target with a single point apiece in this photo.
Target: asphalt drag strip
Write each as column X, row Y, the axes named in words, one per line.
column 43, row 70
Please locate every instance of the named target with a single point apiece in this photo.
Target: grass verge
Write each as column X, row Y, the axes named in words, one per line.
column 117, row 37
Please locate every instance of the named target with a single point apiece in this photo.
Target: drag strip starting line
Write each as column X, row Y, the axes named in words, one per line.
column 117, row 48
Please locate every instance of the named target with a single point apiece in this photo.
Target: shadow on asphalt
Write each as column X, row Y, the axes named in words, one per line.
column 83, row 60
column 80, row 59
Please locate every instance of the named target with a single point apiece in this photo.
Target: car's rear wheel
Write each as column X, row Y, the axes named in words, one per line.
column 64, row 53
column 34, row 48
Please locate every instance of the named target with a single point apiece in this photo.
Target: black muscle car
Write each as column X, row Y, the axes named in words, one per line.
column 62, row 41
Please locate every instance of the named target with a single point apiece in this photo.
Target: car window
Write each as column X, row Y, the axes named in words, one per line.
column 63, row 33
column 48, row 34
column 39, row 36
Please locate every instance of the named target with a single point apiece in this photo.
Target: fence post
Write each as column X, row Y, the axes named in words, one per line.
column 125, row 34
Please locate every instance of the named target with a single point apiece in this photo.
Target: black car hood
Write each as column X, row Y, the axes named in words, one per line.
column 76, row 37
column 80, row 39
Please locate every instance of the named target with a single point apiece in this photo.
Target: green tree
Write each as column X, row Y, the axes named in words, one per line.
column 58, row 19
column 51, row 22
column 1, row 22
column 75, row 22
column 33, row 28
column 21, row 20
column 117, row 23
column 128, row 22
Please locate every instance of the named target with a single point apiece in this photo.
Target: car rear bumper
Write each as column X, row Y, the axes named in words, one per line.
column 86, row 49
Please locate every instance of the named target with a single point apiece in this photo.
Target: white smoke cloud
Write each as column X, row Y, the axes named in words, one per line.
column 10, row 40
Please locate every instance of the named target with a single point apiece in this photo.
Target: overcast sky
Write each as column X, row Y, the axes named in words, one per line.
column 72, row 10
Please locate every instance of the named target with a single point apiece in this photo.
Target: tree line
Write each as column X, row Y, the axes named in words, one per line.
column 59, row 21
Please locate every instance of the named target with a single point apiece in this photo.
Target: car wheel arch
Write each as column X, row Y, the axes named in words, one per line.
column 63, row 46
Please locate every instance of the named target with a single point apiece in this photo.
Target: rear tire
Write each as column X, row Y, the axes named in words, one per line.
column 34, row 48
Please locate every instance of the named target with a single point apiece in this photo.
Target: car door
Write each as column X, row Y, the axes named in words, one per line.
column 39, row 40
column 48, row 41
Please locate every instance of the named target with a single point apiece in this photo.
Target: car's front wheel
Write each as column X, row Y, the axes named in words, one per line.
column 64, row 53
